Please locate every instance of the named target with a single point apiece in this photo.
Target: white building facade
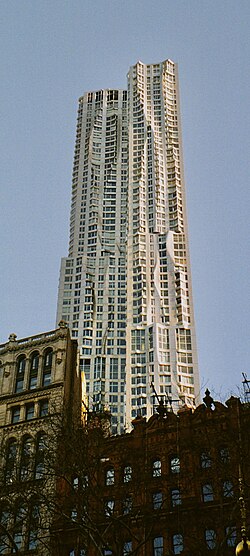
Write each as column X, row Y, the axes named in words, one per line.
column 125, row 288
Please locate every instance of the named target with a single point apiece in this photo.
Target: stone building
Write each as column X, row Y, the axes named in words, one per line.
column 171, row 486
column 39, row 394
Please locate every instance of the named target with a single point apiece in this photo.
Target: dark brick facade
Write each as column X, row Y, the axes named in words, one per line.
column 171, row 486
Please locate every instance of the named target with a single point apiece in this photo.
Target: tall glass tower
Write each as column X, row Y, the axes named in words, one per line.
column 125, row 287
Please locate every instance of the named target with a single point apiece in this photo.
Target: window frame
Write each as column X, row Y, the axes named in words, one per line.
column 33, row 372
column 158, row 546
column 127, row 474
column 176, row 497
column 15, row 414
column 29, row 411
column 205, row 460
column 157, row 500
column 127, row 548
column 109, row 507
column 10, row 460
column 207, row 492
column 177, row 543
column 20, row 373
column 110, row 476
column 156, row 468
column 231, row 536
column 175, row 464
column 47, row 367
column 26, row 459
column 210, row 539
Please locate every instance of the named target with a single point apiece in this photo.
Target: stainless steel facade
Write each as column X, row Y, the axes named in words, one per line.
column 125, row 288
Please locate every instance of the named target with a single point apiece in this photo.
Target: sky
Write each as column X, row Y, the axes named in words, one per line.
column 54, row 50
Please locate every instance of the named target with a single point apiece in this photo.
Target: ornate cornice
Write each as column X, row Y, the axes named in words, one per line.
column 26, row 343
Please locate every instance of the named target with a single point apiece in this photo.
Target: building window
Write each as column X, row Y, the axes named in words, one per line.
column 127, row 474
column 158, row 546
column 33, row 527
column 127, row 548
column 5, row 518
column 26, row 459
column 11, row 454
column 33, row 370
column 177, row 543
column 110, row 476
column 20, row 370
column 15, row 414
column 157, row 499
column 224, row 454
column 127, row 505
column 156, row 468
column 40, row 456
column 43, row 408
column 30, row 411
column 175, row 497
column 231, row 536
column 207, row 493
column 210, row 539
column 47, row 367
column 73, row 514
column 18, row 533
column 206, row 461
column 109, row 506
column 175, row 464
column 227, row 488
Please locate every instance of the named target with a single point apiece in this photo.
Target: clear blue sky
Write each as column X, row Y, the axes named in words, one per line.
column 54, row 50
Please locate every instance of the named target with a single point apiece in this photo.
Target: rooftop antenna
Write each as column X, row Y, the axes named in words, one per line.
column 246, row 387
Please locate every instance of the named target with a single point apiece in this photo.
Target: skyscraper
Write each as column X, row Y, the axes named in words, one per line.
column 125, row 287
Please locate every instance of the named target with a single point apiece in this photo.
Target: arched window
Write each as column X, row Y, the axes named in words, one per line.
column 206, row 460
column 175, row 464
column 224, row 454
column 231, row 536
column 5, row 522
column 18, row 532
column 177, row 543
column 127, row 474
column 127, row 548
column 127, row 504
column 109, row 506
column 175, row 497
column 158, row 546
column 11, row 454
column 20, row 370
column 207, row 493
column 110, row 476
column 47, row 367
column 33, row 526
column 227, row 489
column 26, row 459
column 210, row 538
column 157, row 499
column 156, row 468
column 40, row 456
column 34, row 363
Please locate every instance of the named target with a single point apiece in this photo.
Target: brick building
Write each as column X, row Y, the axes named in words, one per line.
column 171, row 486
